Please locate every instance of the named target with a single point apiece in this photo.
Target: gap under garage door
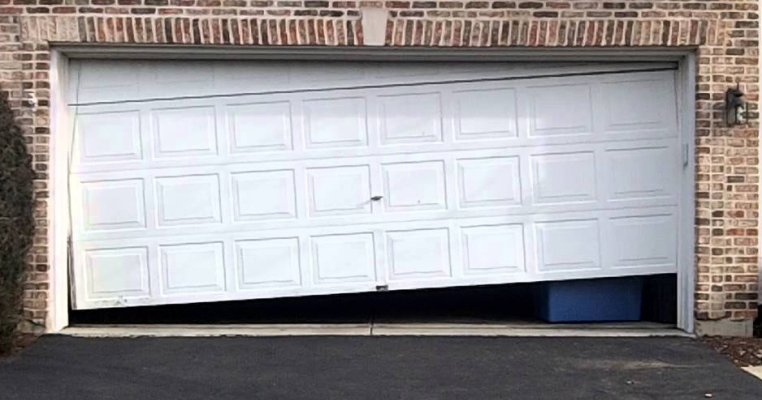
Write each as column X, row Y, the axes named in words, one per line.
column 212, row 181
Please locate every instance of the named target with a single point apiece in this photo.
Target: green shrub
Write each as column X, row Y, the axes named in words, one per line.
column 16, row 222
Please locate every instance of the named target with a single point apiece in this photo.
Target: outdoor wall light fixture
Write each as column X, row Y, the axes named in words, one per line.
column 735, row 107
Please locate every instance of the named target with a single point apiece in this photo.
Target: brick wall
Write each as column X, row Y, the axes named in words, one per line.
column 725, row 33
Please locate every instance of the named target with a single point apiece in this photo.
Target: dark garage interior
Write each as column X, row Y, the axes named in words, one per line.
column 476, row 304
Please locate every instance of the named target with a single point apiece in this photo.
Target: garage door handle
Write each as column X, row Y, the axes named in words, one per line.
column 377, row 198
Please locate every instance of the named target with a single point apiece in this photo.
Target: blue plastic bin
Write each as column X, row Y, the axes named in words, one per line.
column 590, row 300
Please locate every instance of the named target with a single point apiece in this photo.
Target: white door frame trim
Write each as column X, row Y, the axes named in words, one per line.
column 58, row 198
column 686, row 266
column 61, row 128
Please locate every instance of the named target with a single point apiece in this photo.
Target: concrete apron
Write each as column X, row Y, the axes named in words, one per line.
column 531, row 329
column 756, row 371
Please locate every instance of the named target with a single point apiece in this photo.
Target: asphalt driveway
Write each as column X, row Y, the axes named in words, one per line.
column 371, row 368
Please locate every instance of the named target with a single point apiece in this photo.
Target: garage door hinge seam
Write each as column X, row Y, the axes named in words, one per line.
column 361, row 87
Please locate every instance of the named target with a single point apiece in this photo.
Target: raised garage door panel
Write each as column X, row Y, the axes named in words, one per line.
column 264, row 195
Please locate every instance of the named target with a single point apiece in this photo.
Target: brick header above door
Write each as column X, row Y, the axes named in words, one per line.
column 349, row 31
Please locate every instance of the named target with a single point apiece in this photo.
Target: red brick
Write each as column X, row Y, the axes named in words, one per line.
column 504, row 4
column 530, row 4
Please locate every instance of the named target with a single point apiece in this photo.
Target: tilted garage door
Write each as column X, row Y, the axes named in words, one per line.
column 210, row 181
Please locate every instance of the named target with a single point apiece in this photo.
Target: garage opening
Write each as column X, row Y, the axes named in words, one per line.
column 202, row 188
column 512, row 304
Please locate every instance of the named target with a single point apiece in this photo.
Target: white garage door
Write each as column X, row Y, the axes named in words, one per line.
column 210, row 181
